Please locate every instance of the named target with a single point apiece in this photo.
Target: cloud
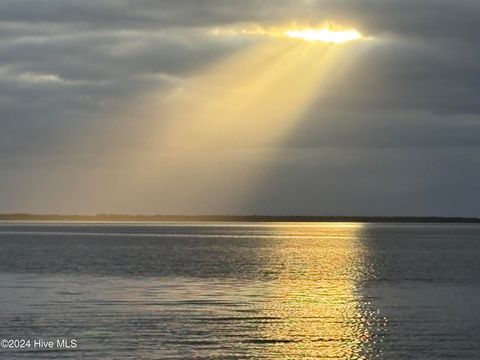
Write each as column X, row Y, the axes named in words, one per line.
column 68, row 68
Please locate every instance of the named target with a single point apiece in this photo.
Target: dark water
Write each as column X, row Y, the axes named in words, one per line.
column 281, row 291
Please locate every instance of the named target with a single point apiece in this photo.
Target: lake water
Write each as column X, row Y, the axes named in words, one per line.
column 235, row 291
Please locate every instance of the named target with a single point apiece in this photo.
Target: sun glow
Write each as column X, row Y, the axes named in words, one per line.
column 327, row 33
column 324, row 35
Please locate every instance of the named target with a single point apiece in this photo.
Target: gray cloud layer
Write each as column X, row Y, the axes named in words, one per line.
column 398, row 133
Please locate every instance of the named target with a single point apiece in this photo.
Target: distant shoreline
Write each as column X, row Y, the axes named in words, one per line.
column 236, row 218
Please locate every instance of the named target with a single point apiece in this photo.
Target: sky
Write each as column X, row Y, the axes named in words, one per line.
column 192, row 107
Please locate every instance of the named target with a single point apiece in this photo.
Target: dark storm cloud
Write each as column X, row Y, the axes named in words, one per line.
column 65, row 63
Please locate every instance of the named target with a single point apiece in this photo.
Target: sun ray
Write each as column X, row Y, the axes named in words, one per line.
column 228, row 102
column 249, row 100
column 220, row 127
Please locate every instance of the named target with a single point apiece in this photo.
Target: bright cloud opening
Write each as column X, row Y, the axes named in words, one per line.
column 324, row 35
column 332, row 34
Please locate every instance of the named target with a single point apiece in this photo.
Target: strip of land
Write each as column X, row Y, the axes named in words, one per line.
column 235, row 218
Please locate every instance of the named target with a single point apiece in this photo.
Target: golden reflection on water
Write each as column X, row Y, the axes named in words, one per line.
column 316, row 300
column 294, row 291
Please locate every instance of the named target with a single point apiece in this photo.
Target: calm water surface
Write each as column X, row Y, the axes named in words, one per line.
column 260, row 291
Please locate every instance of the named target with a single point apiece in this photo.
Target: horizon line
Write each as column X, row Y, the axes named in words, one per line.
column 18, row 216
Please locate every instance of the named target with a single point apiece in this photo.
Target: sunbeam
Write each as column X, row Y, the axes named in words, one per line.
column 222, row 125
column 250, row 100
